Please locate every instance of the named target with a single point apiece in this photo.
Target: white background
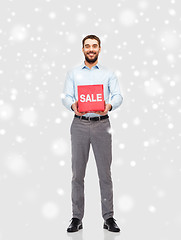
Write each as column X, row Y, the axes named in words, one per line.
column 39, row 42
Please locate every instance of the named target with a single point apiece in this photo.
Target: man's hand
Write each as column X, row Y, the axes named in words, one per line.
column 75, row 108
column 106, row 109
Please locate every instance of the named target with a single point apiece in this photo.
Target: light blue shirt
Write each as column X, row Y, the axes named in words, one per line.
column 83, row 75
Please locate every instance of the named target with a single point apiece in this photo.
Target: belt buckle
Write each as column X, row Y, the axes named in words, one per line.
column 89, row 118
column 99, row 118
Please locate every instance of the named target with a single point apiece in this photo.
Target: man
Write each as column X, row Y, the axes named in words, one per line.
column 91, row 128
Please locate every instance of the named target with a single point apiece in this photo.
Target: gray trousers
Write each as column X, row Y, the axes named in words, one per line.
column 84, row 133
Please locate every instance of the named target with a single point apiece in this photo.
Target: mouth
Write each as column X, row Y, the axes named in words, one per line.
column 91, row 54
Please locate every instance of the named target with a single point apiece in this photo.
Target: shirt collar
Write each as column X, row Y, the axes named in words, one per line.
column 96, row 66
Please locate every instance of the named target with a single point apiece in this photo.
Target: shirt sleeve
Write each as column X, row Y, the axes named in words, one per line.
column 116, row 97
column 68, row 96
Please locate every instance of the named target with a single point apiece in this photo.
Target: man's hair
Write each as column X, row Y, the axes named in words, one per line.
column 91, row 37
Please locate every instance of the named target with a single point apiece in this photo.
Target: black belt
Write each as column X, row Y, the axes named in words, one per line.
column 92, row 118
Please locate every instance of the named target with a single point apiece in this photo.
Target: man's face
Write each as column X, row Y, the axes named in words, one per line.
column 91, row 50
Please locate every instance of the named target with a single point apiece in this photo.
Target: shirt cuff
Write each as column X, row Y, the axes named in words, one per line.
column 72, row 108
column 110, row 108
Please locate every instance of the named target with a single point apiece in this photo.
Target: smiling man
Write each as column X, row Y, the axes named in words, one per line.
column 91, row 128
column 91, row 50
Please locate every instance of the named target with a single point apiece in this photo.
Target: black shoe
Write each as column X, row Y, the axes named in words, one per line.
column 110, row 225
column 75, row 225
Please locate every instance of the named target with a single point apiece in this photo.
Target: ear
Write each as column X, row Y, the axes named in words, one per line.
column 99, row 49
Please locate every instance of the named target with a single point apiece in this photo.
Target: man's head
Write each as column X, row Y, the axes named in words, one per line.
column 91, row 47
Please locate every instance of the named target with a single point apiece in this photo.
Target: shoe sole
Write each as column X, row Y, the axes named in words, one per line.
column 80, row 227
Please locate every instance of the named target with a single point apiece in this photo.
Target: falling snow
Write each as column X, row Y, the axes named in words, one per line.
column 40, row 42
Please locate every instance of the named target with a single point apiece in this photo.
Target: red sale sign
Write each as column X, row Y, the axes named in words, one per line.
column 90, row 98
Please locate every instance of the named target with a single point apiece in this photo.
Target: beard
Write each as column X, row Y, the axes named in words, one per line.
column 89, row 60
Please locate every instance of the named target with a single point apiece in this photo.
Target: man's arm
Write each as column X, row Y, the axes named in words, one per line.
column 116, row 97
column 68, row 96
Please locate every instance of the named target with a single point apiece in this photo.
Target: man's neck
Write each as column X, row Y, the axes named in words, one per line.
column 90, row 65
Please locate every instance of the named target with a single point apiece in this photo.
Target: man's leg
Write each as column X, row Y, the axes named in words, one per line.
column 101, row 141
column 80, row 145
